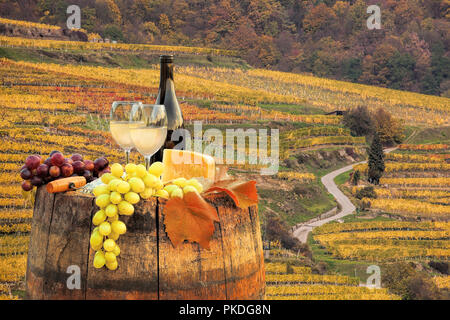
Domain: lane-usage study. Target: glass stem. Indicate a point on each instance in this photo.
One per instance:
(147, 162)
(127, 156)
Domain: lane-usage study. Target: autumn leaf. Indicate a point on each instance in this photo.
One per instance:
(244, 194)
(191, 219)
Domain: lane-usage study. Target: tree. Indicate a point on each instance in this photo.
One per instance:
(359, 121)
(108, 12)
(404, 280)
(318, 20)
(376, 160)
(389, 129)
(355, 177)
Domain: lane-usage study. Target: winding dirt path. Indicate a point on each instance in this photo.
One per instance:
(301, 233)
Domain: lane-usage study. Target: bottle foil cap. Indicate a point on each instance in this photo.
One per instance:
(166, 58)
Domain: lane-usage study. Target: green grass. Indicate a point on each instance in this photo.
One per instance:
(305, 202)
(432, 136)
(342, 178)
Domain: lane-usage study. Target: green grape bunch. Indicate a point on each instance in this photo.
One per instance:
(116, 196)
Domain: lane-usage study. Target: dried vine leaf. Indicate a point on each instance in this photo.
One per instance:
(191, 219)
(244, 194)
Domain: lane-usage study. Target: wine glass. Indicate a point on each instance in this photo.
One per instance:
(118, 125)
(148, 129)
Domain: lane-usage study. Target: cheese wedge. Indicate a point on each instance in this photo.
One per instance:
(187, 164)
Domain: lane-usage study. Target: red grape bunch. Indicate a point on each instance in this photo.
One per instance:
(36, 171)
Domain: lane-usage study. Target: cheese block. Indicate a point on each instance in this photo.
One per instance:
(187, 164)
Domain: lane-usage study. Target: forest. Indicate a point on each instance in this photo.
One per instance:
(325, 38)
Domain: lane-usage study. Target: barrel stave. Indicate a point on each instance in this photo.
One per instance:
(137, 275)
(189, 272)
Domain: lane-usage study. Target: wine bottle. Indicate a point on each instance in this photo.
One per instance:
(167, 97)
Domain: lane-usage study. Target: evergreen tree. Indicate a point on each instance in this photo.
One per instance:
(376, 160)
(355, 177)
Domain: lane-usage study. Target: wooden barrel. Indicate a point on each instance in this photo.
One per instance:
(149, 266)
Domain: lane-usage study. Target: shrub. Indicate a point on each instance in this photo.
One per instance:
(366, 192)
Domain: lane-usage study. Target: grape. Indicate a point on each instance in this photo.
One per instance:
(162, 194)
(125, 208)
(36, 181)
(117, 170)
(107, 177)
(96, 239)
(27, 186)
(102, 200)
(110, 257)
(66, 170)
(53, 152)
(115, 197)
(159, 185)
(170, 188)
(137, 185)
(150, 181)
(181, 182)
(111, 210)
(101, 173)
(77, 157)
(177, 193)
(89, 165)
(147, 194)
(119, 227)
(57, 159)
(99, 217)
(196, 184)
(156, 169)
(97, 247)
(25, 174)
(116, 250)
(88, 175)
(112, 265)
(99, 252)
(130, 168)
(101, 189)
(109, 244)
(114, 236)
(104, 228)
(100, 164)
(123, 187)
(54, 171)
(132, 197)
(32, 162)
(79, 167)
(99, 260)
(141, 171)
(113, 184)
(188, 189)
(42, 170)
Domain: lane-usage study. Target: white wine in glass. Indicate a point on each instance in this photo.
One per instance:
(119, 125)
(148, 129)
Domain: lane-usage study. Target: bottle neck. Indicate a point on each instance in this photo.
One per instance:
(166, 74)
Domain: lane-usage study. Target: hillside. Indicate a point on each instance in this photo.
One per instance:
(325, 38)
